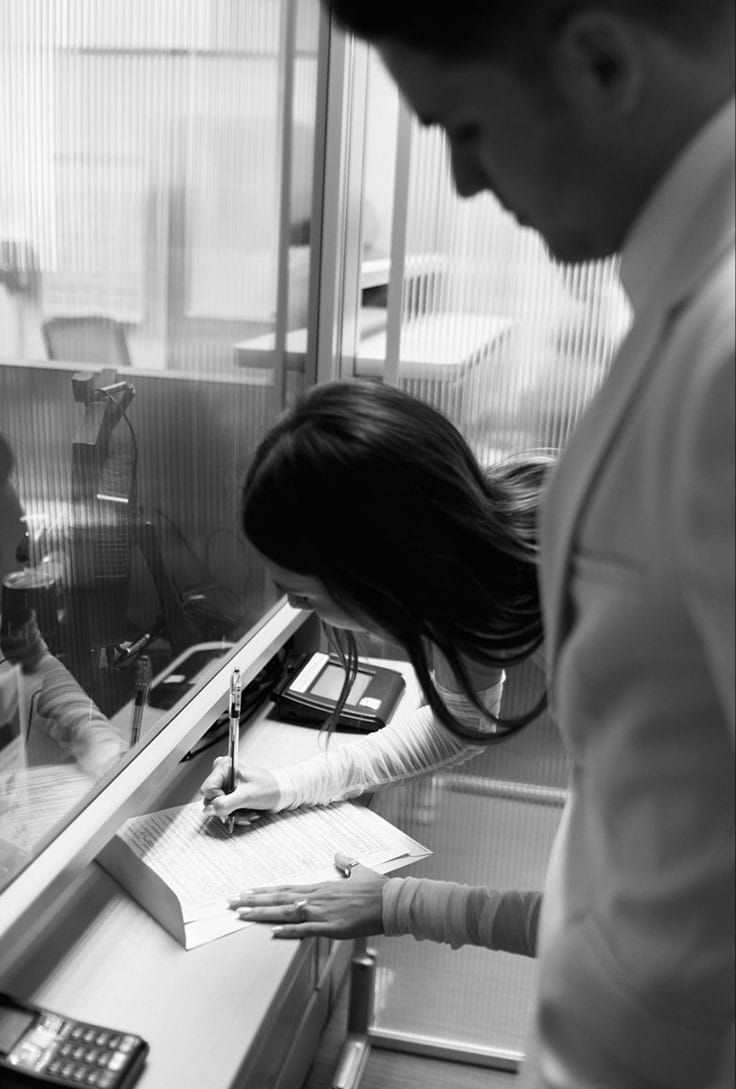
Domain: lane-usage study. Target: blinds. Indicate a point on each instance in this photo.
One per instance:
(143, 170)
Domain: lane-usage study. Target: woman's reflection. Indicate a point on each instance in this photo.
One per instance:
(54, 740)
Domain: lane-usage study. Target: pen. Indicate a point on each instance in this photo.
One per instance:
(143, 676)
(233, 736)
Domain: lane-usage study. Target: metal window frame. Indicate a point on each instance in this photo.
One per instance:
(335, 279)
(30, 902)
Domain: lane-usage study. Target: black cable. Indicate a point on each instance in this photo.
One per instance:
(203, 564)
(227, 532)
(204, 570)
(256, 693)
(35, 696)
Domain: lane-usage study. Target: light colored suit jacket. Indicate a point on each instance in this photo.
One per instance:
(636, 984)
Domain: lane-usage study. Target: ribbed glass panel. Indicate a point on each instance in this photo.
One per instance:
(155, 208)
(493, 332)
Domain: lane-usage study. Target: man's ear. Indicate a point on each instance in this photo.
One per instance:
(598, 63)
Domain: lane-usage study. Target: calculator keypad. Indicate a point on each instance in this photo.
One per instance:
(80, 1054)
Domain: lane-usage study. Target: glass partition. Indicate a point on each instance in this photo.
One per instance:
(463, 307)
(156, 194)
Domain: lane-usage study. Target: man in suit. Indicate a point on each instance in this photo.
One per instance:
(609, 127)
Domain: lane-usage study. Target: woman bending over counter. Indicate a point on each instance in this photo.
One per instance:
(368, 507)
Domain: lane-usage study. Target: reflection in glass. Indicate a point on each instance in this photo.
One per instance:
(155, 207)
(46, 717)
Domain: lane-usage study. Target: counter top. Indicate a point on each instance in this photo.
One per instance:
(207, 1013)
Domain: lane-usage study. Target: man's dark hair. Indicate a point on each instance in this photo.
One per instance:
(469, 28)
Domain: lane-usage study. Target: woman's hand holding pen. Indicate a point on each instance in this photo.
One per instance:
(336, 909)
(255, 788)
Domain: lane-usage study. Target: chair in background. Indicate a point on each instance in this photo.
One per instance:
(89, 339)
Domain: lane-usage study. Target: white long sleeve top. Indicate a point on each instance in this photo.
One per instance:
(62, 722)
(411, 745)
(70, 718)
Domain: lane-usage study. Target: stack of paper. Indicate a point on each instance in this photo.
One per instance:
(182, 866)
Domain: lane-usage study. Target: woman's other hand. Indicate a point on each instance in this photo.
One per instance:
(255, 789)
(351, 908)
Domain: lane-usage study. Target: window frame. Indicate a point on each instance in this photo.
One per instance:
(30, 901)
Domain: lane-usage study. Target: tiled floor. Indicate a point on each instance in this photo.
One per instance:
(393, 1070)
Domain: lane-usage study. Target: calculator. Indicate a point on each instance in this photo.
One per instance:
(41, 1048)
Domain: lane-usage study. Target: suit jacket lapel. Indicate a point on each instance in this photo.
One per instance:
(689, 259)
(579, 468)
(689, 247)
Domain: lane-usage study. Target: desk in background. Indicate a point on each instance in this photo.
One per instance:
(445, 357)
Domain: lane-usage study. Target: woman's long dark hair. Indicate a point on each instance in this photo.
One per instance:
(378, 496)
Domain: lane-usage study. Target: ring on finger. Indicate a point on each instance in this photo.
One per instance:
(301, 907)
(349, 867)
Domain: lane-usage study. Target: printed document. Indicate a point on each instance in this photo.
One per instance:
(183, 866)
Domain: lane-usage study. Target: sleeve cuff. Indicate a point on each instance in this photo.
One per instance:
(287, 798)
